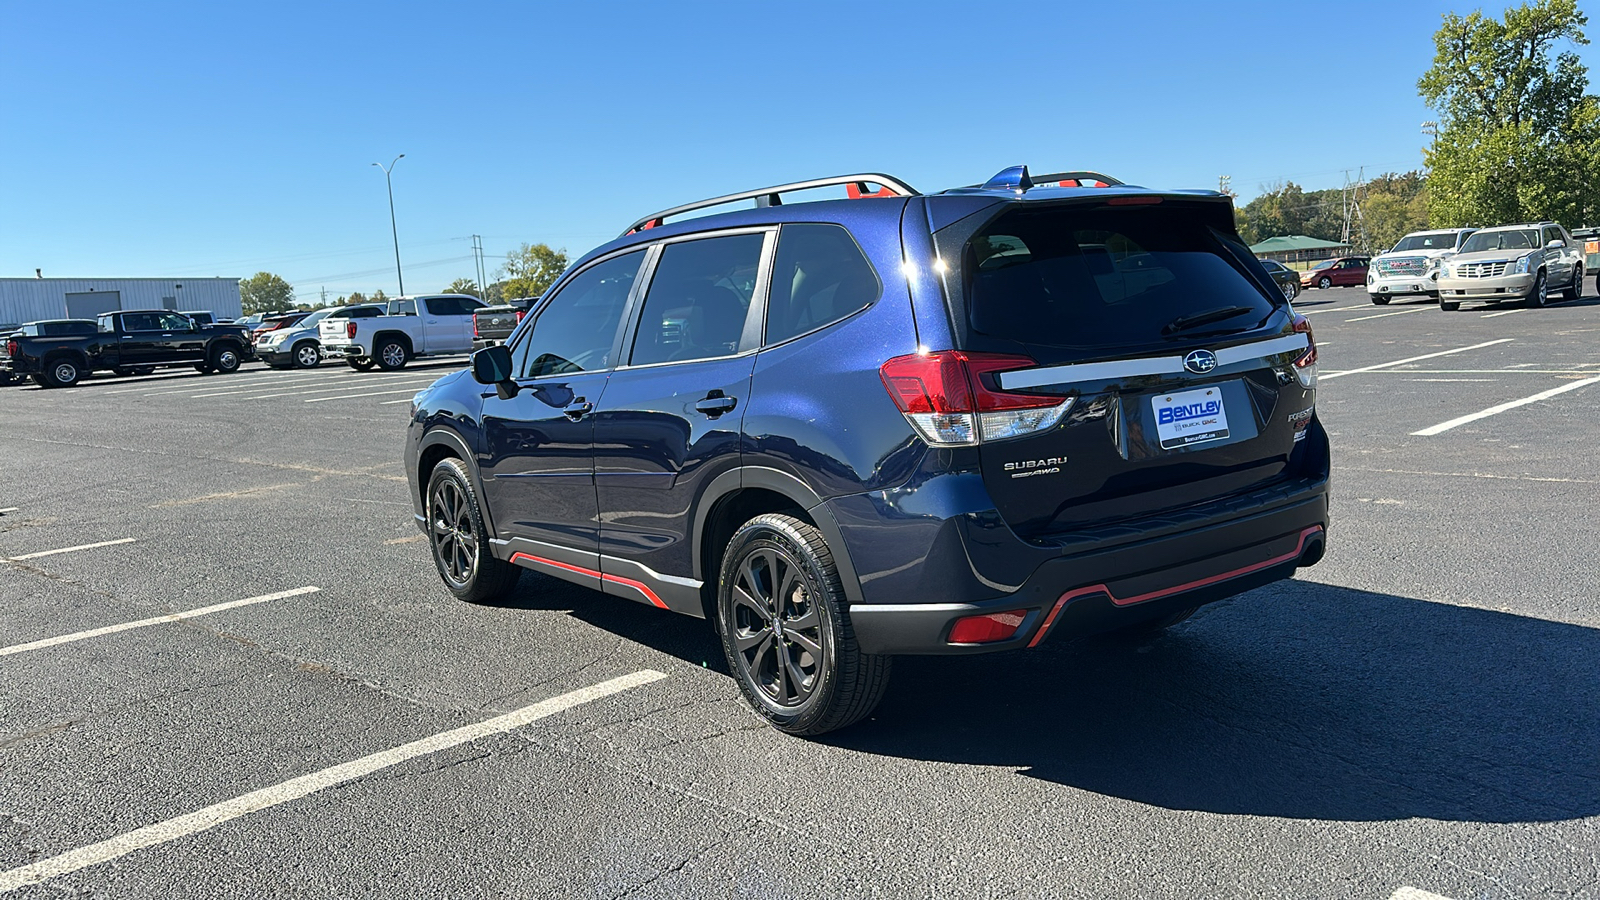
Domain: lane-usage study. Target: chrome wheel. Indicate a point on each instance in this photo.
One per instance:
(777, 629)
(64, 373)
(455, 541)
(306, 356)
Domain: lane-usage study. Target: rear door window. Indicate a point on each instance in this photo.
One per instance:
(1107, 277)
(698, 300)
(819, 277)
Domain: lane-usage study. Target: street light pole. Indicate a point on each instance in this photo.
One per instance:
(392, 227)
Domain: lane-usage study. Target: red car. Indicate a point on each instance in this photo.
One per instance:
(1344, 270)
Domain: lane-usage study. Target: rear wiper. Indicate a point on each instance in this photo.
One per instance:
(1184, 323)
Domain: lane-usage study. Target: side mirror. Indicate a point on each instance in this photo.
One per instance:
(1555, 245)
(492, 365)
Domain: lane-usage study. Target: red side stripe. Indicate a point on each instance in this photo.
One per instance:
(1076, 593)
(614, 579)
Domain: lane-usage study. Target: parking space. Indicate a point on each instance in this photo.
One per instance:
(227, 666)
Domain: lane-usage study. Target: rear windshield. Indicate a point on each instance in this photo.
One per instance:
(1105, 277)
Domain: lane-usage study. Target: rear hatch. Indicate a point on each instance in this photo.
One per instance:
(334, 329)
(496, 322)
(1176, 365)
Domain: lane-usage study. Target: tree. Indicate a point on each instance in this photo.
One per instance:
(464, 286)
(530, 269)
(1393, 206)
(355, 298)
(265, 292)
(378, 296)
(1519, 136)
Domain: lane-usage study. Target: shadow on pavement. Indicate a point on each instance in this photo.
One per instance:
(1298, 700)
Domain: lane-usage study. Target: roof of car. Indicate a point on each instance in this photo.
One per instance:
(1514, 227)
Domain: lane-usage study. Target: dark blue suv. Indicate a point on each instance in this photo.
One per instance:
(890, 423)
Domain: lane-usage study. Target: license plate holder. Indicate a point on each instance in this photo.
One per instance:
(1187, 418)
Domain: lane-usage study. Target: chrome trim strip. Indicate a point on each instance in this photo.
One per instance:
(1148, 365)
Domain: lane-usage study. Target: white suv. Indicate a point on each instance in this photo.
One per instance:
(1513, 262)
(1412, 267)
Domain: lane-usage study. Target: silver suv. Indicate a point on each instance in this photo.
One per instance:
(1513, 262)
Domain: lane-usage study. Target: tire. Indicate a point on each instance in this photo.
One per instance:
(459, 541)
(1290, 291)
(60, 372)
(391, 354)
(1325, 282)
(1575, 290)
(359, 363)
(306, 355)
(1538, 295)
(1380, 299)
(780, 603)
(224, 358)
(1449, 305)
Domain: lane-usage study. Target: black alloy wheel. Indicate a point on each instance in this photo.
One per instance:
(459, 540)
(782, 614)
(1539, 294)
(306, 355)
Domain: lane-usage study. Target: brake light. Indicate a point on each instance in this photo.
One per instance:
(1305, 368)
(953, 398)
(350, 329)
(520, 314)
(474, 326)
(12, 349)
(987, 629)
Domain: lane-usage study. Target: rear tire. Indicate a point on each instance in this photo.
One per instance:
(785, 628)
(359, 363)
(391, 354)
(60, 373)
(459, 540)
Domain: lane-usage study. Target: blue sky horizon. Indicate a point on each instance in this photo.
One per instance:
(209, 140)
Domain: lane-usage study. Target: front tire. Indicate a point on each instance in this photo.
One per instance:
(459, 540)
(782, 615)
(224, 359)
(1539, 294)
(306, 355)
(1379, 299)
(1576, 289)
(1325, 282)
(1449, 305)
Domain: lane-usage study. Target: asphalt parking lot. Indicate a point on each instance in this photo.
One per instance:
(1418, 715)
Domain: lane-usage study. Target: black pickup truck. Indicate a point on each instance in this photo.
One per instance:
(128, 342)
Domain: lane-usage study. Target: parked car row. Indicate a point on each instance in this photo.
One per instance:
(60, 353)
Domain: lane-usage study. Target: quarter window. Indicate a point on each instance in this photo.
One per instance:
(698, 300)
(819, 277)
(576, 329)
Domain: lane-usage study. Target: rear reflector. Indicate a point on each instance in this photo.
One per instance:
(987, 629)
(952, 398)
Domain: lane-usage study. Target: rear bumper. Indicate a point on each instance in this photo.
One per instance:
(342, 351)
(1075, 596)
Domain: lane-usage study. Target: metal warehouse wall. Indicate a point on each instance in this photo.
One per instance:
(31, 299)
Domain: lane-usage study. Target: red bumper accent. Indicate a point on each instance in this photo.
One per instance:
(1077, 593)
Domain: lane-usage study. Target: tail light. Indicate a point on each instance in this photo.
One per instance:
(1305, 368)
(12, 349)
(350, 329)
(952, 399)
(474, 326)
(520, 314)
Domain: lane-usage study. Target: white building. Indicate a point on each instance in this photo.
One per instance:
(32, 299)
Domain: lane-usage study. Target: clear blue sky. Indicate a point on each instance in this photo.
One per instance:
(148, 139)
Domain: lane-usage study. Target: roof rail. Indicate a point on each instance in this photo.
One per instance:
(1095, 179)
(1017, 178)
(772, 196)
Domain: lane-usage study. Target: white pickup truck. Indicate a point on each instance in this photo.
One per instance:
(415, 326)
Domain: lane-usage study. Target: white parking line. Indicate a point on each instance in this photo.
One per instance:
(9, 509)
(1401, 362)
(296, 788)
(1505, 313)
(158, 620)
(1388, 314)
(1411, 893)
(391, 402)
(71, 549)
(1340, 309)
(1496, 410)
(373, 394)
(419, 385)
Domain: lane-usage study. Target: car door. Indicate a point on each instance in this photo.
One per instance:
(670, 419)
(184, 340)
(536, 455)
(1558, 261)
(142, 340)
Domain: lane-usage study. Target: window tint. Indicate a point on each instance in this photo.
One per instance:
(1105, 277)
(366, 312)
(698, 299)
(175, 322)
(819, 277)
(451, 306)
(575, 330)
(141, 322)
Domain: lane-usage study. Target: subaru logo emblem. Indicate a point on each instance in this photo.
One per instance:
(1200, 361)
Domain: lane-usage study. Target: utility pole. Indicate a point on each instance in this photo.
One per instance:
(392, 227)
(324, 295)
(1223, 183)
(477, 259)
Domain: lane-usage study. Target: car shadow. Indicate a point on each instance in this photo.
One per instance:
(1298, 700)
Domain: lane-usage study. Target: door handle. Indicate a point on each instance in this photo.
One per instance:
(715, 404)
(577, 409)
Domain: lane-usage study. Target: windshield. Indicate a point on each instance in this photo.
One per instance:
(1526, 239)
(1324, 264)
(1425, 242)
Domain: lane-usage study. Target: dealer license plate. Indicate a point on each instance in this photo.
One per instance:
(1190, 417)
